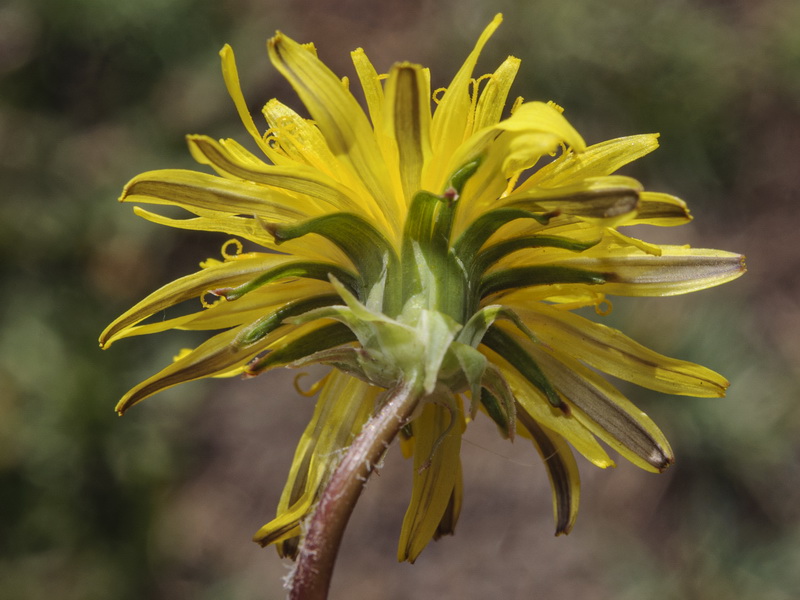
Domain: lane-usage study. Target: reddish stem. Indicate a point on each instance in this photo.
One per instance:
(320, 544)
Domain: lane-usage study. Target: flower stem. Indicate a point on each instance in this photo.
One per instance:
(320, 544)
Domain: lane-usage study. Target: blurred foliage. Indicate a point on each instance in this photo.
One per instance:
(96, 91)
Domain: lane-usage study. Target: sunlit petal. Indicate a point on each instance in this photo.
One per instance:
(338, 115)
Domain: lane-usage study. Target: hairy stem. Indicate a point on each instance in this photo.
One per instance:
(326, 525)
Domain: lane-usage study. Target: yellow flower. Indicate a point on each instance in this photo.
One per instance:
(442, 250)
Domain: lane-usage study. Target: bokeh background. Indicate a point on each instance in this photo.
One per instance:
(162, 504)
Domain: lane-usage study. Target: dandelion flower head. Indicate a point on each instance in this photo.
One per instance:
(441, 240)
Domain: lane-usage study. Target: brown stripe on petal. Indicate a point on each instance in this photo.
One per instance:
(660, 209)
(561, 470)
(217, 355)
(408, 113)
(193, 190)
(605, 411)
(666, 275)
(311, 183)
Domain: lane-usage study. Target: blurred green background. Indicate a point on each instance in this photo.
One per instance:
(162, 503)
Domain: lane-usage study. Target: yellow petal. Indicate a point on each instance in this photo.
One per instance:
(660, 209)
(562, 470)
(370, 84)
(299, 141)
(452, 121)
(435, 468)
(192, 190)
(628, 271)
(230, 273)
(247, 309)
(605, 201)
(605, 411)
(612, 352)
(532, 131)
(216, 355)
(492, 99)
(312, 187)
(344, 405)
(631, 242)
(580, 231)
(597, 160)
(338, 116)
(408, 117)
(537, 406)
(543, 118)
(254, 230)
(678, 270)
(231, 76)
(447, 526)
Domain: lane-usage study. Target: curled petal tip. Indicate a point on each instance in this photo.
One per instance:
(661, 459)
(551, 215)
(253, 369)
(274, 230)
(668, 462)
(222, 292)
(125, 191)
(563, 529)
(275, 39)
